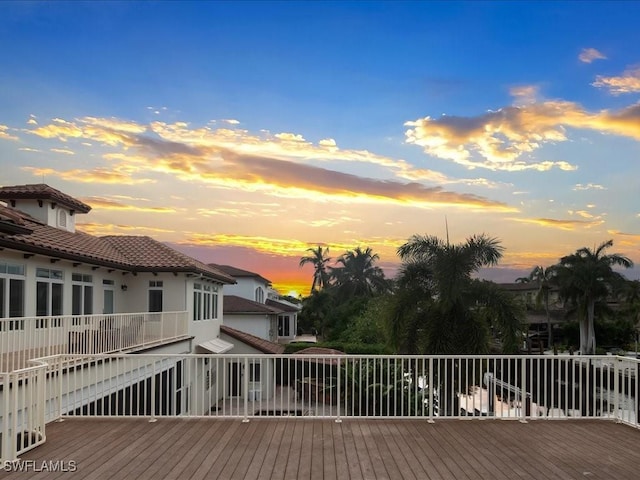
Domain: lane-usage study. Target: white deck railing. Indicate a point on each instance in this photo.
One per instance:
(23, 339)
(22, 424)
(517, 387)
(426, 388)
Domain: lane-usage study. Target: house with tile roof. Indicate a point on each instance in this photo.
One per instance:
(253, 306)
(63, 291)
(48, 268)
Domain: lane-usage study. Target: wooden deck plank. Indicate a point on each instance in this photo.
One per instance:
(418, 448)
(295, 453)
(355, 449)
(186, 459)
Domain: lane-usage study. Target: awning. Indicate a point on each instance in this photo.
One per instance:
(216, 346)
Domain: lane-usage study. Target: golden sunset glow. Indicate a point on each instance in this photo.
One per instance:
(254, 151)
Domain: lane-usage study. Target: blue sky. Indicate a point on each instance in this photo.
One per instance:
(246, 132)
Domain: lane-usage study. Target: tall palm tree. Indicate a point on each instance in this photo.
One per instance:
(584, 278)
(357, 274)
(454, 318)
(453, 312)
(319, 258)
(543, 277)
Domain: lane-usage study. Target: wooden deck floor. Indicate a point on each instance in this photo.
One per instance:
(295, 449)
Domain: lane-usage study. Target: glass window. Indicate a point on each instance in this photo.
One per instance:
(16, 298)
(11, 290)
(155, 296)
(81, 294)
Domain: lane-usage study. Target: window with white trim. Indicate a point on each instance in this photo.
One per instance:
(49, 287)
(155, 295)
(284, 326)
(205, 302)
(259, 295)
(12, 294)
(82, 294)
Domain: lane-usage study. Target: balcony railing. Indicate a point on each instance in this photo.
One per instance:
(424, 388)
(22, 339)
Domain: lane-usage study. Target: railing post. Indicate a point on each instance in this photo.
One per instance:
(338, 419)
(153, 393)
(245, 389)
(7, 439)
(430, 391)
(616, 387)
(523, 390)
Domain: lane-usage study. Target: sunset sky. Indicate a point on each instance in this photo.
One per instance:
(243, 133)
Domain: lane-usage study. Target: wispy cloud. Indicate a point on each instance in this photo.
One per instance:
(524, 93)
(628, 82)
(111, 204)
(559, 223)
(588, 186)
(118, 175)
(113, 229)
(4, 133)
(588, 55)
(499, 140)
(288, 247)
(64, 151)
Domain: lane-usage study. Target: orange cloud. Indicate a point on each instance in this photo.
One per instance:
(96, 175)
(628, 82)
(108, 204)
(561, 224)
(498, 139)
(4, 133)
(100, 229)
(201, 155)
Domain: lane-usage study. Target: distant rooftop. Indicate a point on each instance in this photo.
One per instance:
(264, 346)
(234, 304)
(239, 273)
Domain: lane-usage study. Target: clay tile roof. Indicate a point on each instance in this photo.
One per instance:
(52, 241)
(239, 273)
(125, 252)
(11, 221)
(322, 355)
(265, 346)
(41, 191)
(147, 254)
(238, 305)
(285, 307)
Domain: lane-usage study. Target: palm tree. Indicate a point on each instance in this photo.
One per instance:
(585, 277)
(543, 277)
(450, 312)
(454, 317)
(357, 274)
(319, 258)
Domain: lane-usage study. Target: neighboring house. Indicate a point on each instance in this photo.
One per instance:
(251, 317)
(252, 306)
(47, 268)
(536, 317)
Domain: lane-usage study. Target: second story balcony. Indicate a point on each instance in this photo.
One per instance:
(23, 339)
